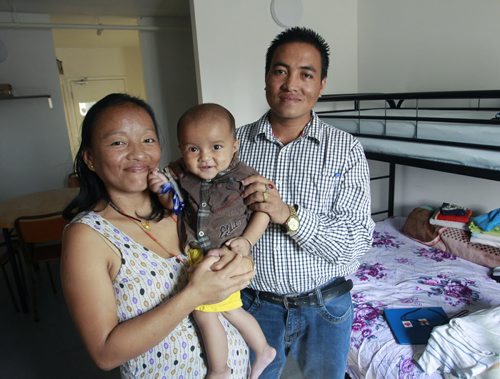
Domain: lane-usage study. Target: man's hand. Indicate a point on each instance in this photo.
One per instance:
(260, 194)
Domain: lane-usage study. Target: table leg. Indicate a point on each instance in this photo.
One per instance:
(21, 288)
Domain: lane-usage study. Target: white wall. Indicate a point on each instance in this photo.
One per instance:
(231, 39)
(431, 45)
(428, 45)
(377, 46)
(34, 148)
(169, 76)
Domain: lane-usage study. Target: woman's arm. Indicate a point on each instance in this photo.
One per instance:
(86, 266)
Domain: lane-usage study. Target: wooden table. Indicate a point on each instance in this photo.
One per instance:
(32, 204)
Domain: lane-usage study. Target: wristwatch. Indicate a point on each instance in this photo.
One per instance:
(292, 223)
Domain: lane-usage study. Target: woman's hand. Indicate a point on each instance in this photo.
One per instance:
(221, 273)
(226, 256)
(260, 194)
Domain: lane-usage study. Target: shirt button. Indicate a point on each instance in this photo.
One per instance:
(201, 234)
(203, 205)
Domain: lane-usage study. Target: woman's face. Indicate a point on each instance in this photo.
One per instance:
(124, 149)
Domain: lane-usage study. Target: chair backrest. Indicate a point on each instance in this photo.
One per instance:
(4, 257)
(40, 228)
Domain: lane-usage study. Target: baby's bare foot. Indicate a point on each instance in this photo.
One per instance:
(262, 360)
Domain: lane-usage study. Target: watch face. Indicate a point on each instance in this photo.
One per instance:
(293, 224)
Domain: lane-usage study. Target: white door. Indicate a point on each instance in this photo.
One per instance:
(84, 93)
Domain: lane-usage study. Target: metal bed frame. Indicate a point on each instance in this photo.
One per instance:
(396, 101)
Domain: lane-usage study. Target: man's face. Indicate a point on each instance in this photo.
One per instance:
(293, 83)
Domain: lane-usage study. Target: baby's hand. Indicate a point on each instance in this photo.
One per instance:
(240, 245)
(155, 180)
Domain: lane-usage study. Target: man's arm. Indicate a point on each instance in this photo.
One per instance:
(343, 232)
(339, 234)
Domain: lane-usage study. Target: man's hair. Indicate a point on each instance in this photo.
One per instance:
(301, 34)
(206, 110)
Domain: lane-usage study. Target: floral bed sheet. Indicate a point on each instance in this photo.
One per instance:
(400, 272)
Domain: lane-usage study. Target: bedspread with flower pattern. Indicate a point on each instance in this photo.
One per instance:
(399, 272)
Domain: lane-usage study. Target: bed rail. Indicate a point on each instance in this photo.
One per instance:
(393, 102)
(396, 99)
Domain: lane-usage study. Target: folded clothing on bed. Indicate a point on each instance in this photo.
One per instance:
(465, 347)
(490, 238)
(488, 221)
(450, 220)
(419, 226)
(448, 209)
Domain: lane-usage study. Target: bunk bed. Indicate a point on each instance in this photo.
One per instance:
(456, 132)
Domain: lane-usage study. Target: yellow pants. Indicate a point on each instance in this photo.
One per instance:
(233, 301)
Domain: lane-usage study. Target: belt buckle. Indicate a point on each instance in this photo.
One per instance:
(285, 302)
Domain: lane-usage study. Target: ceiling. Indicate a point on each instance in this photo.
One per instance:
(123, 8)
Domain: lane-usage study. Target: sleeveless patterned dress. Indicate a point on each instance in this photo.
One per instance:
(145, 280)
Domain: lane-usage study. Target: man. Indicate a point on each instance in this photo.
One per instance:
(315, 188)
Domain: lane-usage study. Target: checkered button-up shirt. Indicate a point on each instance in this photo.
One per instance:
(325, 173)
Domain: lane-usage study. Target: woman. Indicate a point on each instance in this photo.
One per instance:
(124, 277)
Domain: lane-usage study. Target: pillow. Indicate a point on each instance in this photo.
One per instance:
(458, 243)
(418, 228)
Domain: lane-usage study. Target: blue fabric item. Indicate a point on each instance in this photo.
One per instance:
(176, 198)
(488, 221)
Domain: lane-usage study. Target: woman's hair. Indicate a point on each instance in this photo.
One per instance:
(305, 35)
(92, 188)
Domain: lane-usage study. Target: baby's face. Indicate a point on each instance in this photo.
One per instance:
(207, 147)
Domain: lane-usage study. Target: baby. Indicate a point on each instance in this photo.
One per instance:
(216, 215)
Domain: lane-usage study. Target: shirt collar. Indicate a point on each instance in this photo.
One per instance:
(313, 129)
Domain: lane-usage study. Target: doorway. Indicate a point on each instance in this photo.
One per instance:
(94, 63)
(83, 93)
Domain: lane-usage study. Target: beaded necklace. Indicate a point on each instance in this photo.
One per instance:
(144, 224)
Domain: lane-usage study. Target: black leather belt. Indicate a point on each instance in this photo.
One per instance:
(331, 290)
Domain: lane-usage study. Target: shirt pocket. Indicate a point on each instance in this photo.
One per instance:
(325, 185)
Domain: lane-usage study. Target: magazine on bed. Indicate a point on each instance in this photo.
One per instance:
(413, 326)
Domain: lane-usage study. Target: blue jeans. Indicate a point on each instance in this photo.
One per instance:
(318, 337)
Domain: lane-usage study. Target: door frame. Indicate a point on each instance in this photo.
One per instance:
(74, 132)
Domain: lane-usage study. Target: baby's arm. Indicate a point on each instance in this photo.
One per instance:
(254, 230)
(156, 180)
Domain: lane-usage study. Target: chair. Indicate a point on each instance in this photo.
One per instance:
(4, 260)
(73, 180)
(40, 238)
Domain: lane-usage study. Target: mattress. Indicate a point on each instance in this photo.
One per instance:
(461, 132)
(399, 272)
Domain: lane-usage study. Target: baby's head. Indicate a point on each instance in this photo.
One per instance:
(207, 139)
